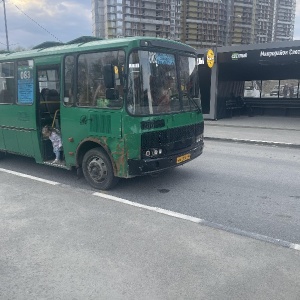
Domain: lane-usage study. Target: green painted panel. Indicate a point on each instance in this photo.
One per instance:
(18, 124)
(105, 123)
(2, 144)
(79, 124)
(10, 139)
(22, 116)
(25, 142)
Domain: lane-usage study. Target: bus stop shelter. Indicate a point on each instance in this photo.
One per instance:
(263, 77)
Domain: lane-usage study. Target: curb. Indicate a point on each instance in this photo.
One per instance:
(255, 127)
(256, 142)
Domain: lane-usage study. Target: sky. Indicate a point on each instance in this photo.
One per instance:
(31, 22)
(58, 21)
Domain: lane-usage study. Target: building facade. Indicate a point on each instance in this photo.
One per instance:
(285, 20)
(266, 19)
(199, 23)
(261, 21)
(158, 18)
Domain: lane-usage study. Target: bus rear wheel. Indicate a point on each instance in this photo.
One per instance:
(2, 154)
(98, 170)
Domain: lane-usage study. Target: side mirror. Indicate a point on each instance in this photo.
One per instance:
(112, 94)
(109, 76)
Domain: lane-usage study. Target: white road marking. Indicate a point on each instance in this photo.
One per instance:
(174, 214)
(29, 176)
(295, 246)
(237, 231)
(152, 208)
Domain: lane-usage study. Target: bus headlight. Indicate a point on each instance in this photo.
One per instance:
(199, 138)
(153, 152)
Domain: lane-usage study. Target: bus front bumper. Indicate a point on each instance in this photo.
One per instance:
(155, 165)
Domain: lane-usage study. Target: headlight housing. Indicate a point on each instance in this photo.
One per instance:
(199, 138)
(153, 152)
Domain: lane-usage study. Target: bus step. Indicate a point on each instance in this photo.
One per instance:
(61, 164)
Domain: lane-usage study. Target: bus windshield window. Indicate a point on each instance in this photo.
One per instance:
(154, 86)
(189, 84)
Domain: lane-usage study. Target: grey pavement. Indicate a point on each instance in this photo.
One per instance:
(280, 131)
(62, 243)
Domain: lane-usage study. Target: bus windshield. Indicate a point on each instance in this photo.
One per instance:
(160, 83)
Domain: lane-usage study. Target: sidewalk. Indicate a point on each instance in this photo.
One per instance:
(280, 131)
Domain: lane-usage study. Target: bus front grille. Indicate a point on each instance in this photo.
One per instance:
(171, 140)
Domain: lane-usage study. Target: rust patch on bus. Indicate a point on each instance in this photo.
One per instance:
(117, 157)
(120, 160)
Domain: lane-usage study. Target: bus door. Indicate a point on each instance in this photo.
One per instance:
(48, 104)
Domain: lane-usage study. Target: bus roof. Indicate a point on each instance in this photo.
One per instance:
(84, 44)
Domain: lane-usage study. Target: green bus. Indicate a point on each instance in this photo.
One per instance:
(124, 107)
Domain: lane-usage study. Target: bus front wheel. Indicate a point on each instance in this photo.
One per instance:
(98, 170)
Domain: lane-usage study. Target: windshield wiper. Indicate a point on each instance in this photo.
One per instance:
(193, 101)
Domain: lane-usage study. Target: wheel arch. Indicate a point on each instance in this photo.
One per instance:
(88, 144)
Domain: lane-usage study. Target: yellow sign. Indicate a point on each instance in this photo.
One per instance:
(210, 58)
(116, 70)
(183, 158)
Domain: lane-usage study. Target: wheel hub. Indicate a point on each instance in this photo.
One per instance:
(97, 169)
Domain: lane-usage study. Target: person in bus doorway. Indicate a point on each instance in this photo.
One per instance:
(54, 136)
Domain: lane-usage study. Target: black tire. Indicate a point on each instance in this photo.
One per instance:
(98, 170)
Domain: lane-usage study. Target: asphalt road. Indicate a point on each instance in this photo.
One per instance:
(246, 187)
(64, 242)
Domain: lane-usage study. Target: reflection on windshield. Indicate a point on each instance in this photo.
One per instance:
(161, 83)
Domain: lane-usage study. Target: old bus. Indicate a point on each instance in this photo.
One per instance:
(124, 107)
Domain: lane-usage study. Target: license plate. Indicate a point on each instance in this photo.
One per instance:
(183, 158)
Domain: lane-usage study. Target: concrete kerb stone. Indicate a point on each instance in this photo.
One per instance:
(249, 127)
(256, 142)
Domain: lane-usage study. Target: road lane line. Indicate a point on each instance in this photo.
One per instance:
(29, 176)
(210, 224)
(152, 208)
(233, 230)
(295, 246)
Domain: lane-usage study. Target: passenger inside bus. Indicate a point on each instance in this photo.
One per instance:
(164, 98)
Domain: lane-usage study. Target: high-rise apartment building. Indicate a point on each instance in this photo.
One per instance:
(265, 20)
(159, 18)
(285, 20)
(199, 23)
(204, 23)
(261, 21)
(242, 21)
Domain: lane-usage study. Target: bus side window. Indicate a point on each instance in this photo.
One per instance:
(99, 81)
(84, 90)
(7, 82)
(48, 81)
(5, 96)
(69, 80)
